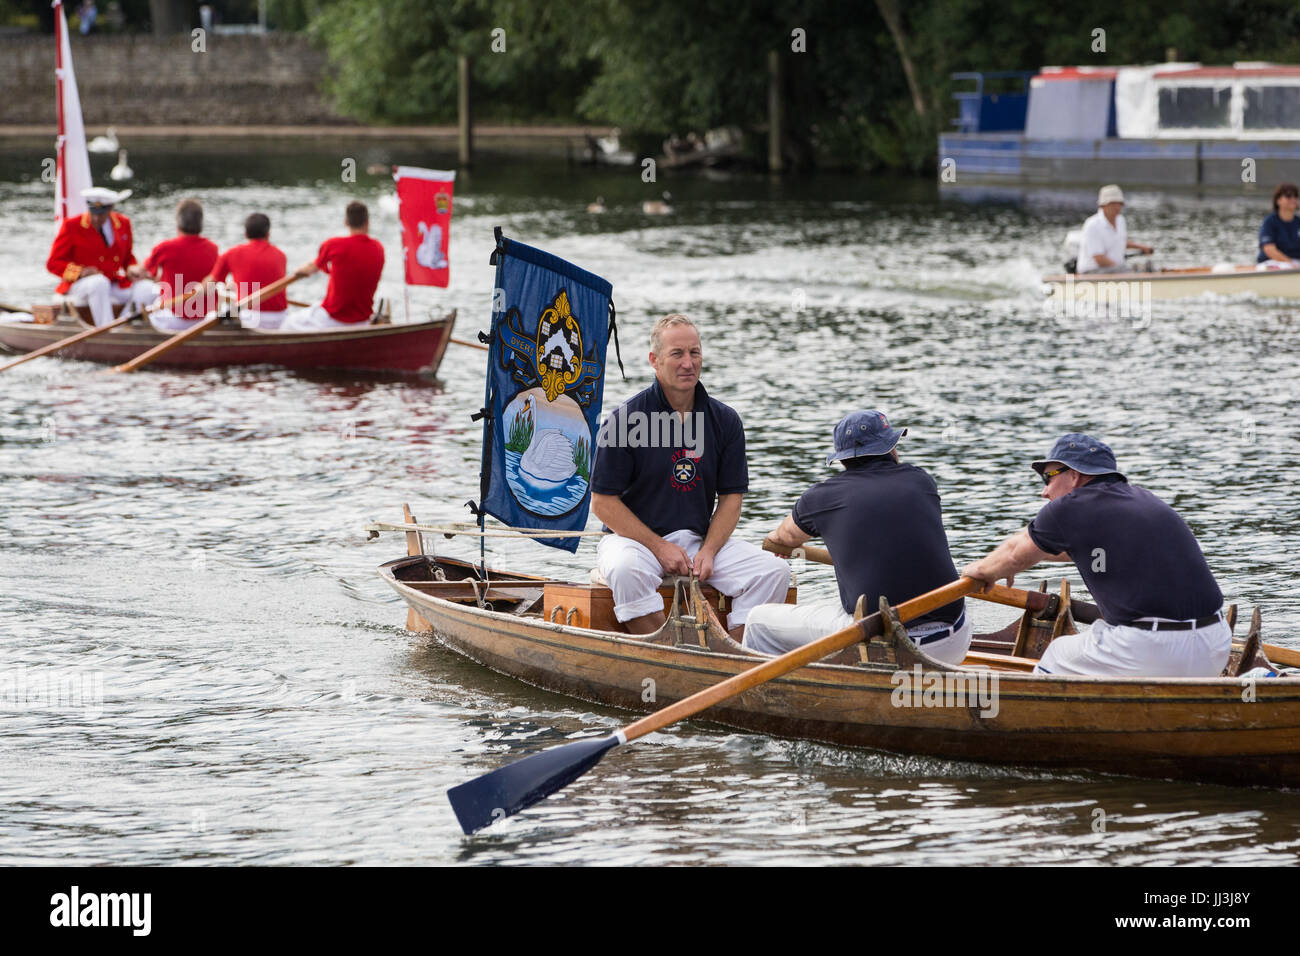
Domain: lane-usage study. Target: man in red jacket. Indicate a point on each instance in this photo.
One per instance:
(180, 265)
(354, 263)
(252, 266)
(92, 257)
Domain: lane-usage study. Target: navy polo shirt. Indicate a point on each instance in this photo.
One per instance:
(1135, 554)
(1284, 235)
(883, 526)
(651, 464)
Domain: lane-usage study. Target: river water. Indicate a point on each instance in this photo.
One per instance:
(214, 674)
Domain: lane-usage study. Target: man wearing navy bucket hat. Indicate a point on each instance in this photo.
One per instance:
(883, 525)
(1161, 607)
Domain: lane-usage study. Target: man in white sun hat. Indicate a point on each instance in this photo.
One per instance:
(883, 525)
(92, 257)
(1105, 235)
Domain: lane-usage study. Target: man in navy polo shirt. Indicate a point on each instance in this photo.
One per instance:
(883, 526)
(663, 459)
(1161, 607)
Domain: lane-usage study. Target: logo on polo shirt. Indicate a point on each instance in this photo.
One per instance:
(684, 476)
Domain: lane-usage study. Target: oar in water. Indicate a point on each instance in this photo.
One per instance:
(200, 327)
(89, 333)
(519, 785)
(1083, 612)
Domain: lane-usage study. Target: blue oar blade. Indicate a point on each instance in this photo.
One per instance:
(517, 786)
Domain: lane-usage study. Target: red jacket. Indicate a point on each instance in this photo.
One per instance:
(78, 245)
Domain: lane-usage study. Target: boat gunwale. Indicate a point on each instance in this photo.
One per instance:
(1217, 684)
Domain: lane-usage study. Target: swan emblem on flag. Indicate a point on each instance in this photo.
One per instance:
(558, 355)
(429, 252)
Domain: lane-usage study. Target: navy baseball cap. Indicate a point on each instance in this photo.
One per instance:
(864, 433)
(1081, 452)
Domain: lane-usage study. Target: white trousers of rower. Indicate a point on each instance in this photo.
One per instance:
(1108, 650)
(743, 572)
(314, 318)
(100, 295)
(779, 628)
(262, 319)
(165, 320)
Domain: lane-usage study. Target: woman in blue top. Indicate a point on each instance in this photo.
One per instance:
(1279, 236)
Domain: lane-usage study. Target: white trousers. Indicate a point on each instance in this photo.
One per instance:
(743, 572)
(165, 320)
(100, 295)
(313, 318)
(262, 319)
(779, 628)
(1107, 650)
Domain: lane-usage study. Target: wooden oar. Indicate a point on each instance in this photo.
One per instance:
(81, 336)
(1083, 612)
(519, 785)
(473, 345)
(200, 327)
(70, 340)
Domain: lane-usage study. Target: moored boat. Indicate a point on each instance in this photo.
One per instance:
(410, 348)
(883, 693)
(1173, 284)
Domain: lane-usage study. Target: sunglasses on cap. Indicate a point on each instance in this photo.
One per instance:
(1048, 475)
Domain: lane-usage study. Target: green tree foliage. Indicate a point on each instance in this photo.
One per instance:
(396, 60)
(660, 66)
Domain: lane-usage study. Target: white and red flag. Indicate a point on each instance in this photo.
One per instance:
(72, 165)
(424, 207)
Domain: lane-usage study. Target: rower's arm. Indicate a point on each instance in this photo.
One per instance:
(624, 523)
(1273, 252)
(1017, 553)
(310, 268)
(788, 534)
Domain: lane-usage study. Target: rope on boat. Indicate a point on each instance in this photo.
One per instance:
(473, 531)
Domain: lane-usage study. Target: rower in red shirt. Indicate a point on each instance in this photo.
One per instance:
(180, 265)
(92, 256)
(354, 263)
(251, 266)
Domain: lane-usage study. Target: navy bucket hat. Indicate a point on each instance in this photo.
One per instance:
(864, 433)
(1083, 453)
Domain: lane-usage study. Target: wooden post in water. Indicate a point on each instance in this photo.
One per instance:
(466, 121)
(775, 113)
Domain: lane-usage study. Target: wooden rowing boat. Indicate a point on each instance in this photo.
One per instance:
(1232, 730)
(1177, 283)
(413, 348)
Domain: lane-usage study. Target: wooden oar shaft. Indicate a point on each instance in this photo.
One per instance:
(993, 593)
(795, 659)
(70, 340)
(473, 345)
(199, 328)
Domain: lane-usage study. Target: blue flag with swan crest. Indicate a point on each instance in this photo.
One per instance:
(546, 373)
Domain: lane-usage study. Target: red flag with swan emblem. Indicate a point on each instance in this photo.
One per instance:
(424, 207)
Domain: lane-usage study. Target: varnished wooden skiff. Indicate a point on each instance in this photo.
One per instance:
(1229, 730)
(409, 348)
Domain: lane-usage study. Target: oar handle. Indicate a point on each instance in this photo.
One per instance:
(994, 593)
(858, 631)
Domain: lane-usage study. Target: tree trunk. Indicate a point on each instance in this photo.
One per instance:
(169, 16)
(889, 13)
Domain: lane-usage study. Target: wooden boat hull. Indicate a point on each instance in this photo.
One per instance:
(406, 349)
(1189, 729)
(1174, 284)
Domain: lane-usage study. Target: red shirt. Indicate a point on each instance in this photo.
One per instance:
(255, 264)
(78, 245)
(354, 263)
(183, 262)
